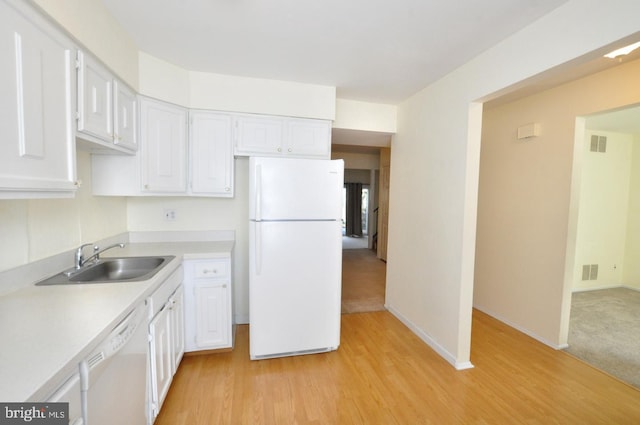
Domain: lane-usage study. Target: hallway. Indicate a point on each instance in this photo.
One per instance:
(363, 281)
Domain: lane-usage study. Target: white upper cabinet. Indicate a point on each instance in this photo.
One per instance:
(125, 116)
(106, 108)
(37, 152)
(308, 138)
(211, 154)
(164, 147)
(257, 135)
(95, 99)
(168, 163)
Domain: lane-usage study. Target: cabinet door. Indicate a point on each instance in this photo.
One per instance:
(258, 135)
(164, 147)
(177, 326)
(125, 116)
(37, 149)
(161, 357)
(211, 154)
(308, 138)
(95, 98)
(212, 315)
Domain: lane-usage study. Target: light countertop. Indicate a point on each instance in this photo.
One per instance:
(46, 330)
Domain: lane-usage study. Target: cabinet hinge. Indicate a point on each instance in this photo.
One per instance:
(77, 115)
(77, 64)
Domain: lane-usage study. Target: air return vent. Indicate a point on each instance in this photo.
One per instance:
(590, 272)
(598, 143)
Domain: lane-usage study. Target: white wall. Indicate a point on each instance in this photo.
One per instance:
(255, 95)
(434, 177)
(356, 115)
(90, 22)
(631, 268)
(162, 80)
(358, 161)
(527, 220)
(604, 204)
(199, 90)
(39, 228)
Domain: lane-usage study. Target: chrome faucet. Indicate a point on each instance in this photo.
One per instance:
(79, 259)
(97, 251)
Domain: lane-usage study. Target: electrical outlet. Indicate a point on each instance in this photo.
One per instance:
(170, 215)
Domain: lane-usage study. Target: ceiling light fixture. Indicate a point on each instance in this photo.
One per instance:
(623, 50)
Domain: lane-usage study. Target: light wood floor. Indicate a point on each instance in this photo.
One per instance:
(363, 281)
(383, 374)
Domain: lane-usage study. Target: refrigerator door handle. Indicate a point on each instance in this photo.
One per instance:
(258, 249)
(258, 193)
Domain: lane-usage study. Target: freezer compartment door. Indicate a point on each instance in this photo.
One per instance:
(295, 189)
(295, 288)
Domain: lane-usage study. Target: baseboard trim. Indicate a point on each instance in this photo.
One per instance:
(521, 329)
(430, 341)
(600, 288)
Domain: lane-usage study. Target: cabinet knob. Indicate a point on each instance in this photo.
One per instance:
(279, 149)
(227, 189)
(290, 150)
(146, 186)
(224, 286)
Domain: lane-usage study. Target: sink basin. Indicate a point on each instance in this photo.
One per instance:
(110, 270)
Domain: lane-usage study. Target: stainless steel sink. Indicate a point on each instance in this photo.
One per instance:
(110, 270)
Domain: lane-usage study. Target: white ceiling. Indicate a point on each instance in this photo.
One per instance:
(371, 50)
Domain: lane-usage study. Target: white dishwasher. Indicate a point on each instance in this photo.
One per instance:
(114, 377)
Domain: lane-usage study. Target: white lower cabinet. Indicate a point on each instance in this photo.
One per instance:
(212, 319)
(161, 357)
(166, 346)
(208, 304)
(177, 326)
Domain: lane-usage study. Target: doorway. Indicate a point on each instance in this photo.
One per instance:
(605, 281)
(522, 271)
(363, 273)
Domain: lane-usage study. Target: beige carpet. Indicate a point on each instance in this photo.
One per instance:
(363, 281)
(604, 331)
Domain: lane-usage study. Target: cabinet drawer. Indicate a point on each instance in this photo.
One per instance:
(211, 269)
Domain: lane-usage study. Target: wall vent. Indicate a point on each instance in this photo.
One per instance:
(598, 143)
(590, 272)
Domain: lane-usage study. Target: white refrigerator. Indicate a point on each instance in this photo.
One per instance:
(295, 256)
